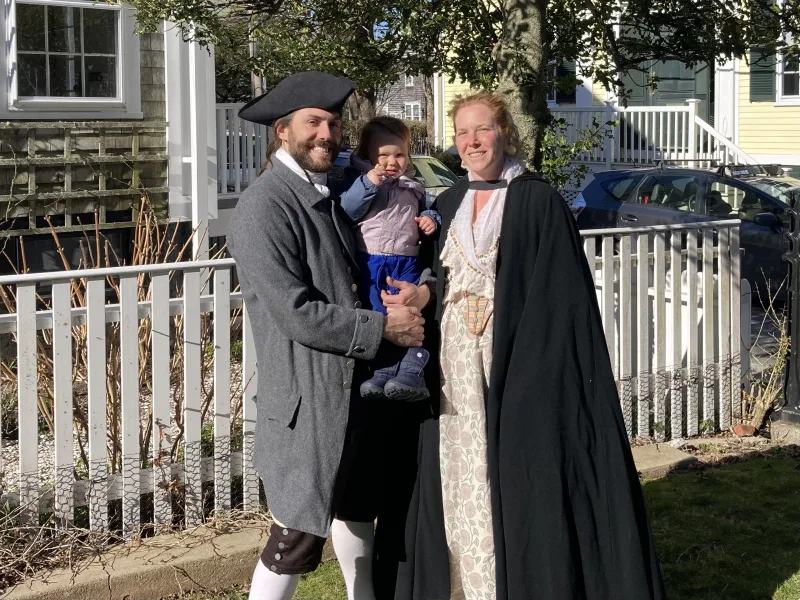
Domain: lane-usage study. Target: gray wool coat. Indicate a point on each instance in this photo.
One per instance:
(294, 251)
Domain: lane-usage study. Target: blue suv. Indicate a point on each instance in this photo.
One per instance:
(758, 195)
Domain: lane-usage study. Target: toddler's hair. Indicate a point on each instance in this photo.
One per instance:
(377, 126)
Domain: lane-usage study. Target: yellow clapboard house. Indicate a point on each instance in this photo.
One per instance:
(753, 102)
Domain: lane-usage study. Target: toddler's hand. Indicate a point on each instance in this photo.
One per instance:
(377, 175)
(426, 224)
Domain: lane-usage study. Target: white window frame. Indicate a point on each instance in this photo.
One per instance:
(409, 81)
(127, 103)
(782, 100)
(552, 92)
(412, 105)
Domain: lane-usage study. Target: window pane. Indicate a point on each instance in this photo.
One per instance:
(791, 84)
(32, 78)
(65, 76)
(619, 189)
(670, 191)
(101, 77)
(30, 27)
(744, 203)
(100, 31)
(64, 29)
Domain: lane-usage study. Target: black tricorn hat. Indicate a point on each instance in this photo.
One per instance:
(309, 89)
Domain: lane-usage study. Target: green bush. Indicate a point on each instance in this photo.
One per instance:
(237, 351)
(9, 415)
(451, 161)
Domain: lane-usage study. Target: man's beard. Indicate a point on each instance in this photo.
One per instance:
(308, 159)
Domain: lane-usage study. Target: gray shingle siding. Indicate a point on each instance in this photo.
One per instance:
(397, 95)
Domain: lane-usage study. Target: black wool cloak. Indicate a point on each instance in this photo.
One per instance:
(567, 507)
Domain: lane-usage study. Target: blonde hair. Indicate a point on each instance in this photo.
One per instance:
(378, 126)
(502, 116)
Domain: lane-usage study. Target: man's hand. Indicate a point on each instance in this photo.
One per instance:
(409, 294)
(403, 326)
(426, 224)
(377, 175)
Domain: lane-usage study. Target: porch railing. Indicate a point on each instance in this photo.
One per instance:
(635, 135)
(648, 134)
(136, 367)
(241, 147)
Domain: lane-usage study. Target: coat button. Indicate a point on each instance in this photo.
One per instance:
(277, 556)
(357, 304)
(347, 385)
(273, 568)
(359, 349)
(354, 287)
(364, 318)
(285, 532)
(281, 546)
(351, 363)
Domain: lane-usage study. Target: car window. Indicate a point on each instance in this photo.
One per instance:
(619, 189)
(786, 190)
(432, 173)
(726, 200)
(676, 192)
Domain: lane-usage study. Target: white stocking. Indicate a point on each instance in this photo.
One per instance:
(353, 544)
(267, 585)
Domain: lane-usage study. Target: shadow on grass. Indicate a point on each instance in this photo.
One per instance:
(730, 531)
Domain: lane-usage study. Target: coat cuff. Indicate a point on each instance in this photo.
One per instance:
(367, 334)
(434, 216)
(369, 187)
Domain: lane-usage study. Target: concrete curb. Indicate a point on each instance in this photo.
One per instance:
(202, 559)
(656, 460)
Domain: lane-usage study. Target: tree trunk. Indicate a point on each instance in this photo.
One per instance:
(427, 85)
(362, 105)
(522, 71)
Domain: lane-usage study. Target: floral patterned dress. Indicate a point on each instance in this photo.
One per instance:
(470, 256)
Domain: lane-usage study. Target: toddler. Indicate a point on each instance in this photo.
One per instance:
(389, 206)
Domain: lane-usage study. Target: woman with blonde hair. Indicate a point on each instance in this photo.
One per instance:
(526, 488)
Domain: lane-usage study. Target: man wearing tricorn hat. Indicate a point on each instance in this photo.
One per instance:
(295, 257)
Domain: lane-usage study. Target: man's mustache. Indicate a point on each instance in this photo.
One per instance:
(321, 144)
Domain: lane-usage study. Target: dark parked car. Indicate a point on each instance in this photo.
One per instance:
(757, 195)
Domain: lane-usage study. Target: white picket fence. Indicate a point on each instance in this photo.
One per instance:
(648, 134)
(671, 299)
(677, 364)
(102, 487)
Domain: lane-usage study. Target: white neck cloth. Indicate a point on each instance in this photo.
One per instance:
(318, 180)
(478, 240)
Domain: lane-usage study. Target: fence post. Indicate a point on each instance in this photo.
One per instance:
(692, 131)
(608, 142)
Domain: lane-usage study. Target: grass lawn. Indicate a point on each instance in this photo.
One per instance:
(325, 583)
(730, 532)
(723, 533)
